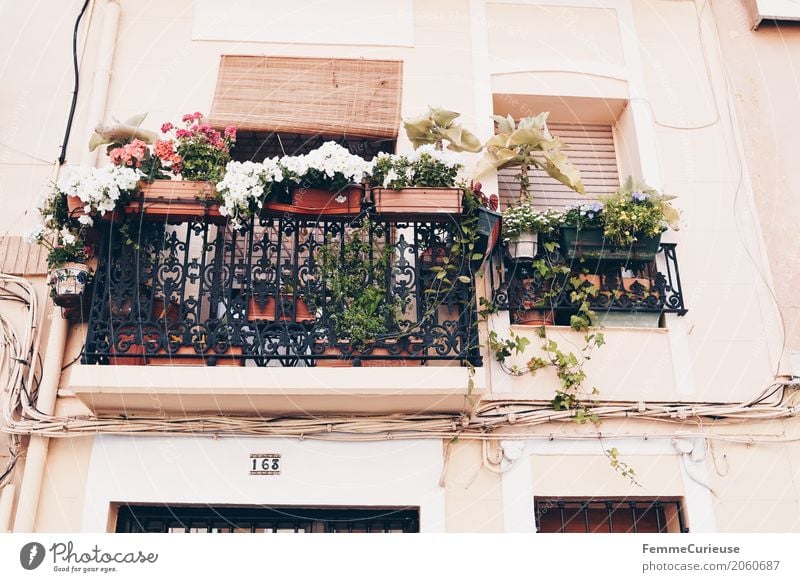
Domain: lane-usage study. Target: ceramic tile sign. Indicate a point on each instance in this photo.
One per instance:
(265, 464)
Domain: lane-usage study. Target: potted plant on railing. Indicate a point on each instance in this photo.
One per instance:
(244, 190)
(325, 181)
(522, 225)
(67, 251)
(353, 298)
(626, 225)
(424, 181)
(95, 192)
(198, 154)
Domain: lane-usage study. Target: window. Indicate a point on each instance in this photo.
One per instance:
(259, 519)
(590, 148)
(628, 515)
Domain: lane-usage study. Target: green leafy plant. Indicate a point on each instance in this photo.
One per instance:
(526, 145)
(439, 126)
(424, 167)
(197, 151)
(636, 211)
(354, 287)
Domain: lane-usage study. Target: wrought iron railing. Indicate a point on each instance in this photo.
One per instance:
(617, 285)
(202, 293)
(609, 516)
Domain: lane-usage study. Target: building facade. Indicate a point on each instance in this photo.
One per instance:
(694, 388)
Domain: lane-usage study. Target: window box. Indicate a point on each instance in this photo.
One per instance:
(314, 201)
(589, 243)
(418, 201)
(177, 201)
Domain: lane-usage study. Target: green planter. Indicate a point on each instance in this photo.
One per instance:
(488, 230)
(589, 243)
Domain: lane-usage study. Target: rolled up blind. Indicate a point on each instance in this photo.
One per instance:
(341, 97)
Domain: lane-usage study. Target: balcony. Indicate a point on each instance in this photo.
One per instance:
(622, 292)
(197, 293)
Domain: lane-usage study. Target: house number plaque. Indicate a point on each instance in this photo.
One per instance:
(265, 464)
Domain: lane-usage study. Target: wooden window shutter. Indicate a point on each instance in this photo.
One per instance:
(590, 148)
(342, 97)
(20, 258)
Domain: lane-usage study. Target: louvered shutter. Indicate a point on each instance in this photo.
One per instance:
(590, 148)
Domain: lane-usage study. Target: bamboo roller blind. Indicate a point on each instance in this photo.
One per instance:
(590, 148)
(348, 97)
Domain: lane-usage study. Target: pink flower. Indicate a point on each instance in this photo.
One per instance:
(205, 128)
(198, 116)
(183, 133)
(166, 127)
(164, 149)
(136, 149)
(116, 156)
(188, 118)
(230, 133)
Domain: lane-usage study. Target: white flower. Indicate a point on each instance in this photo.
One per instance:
(391, 176)
(34, 234)
(67, 237)
(86, 219)
(330, 159)
(244, 185)
(99, 189)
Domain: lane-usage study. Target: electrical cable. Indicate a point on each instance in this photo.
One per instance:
(76, 85)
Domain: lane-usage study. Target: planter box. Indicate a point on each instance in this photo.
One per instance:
(313, 201)
(590, 243)
(418, 201)
(177, 201)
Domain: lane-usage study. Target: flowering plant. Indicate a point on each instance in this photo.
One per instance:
(99, 189)
(635, 211)
(245, 187)
(525, 219)
(588, 215)
(424, 167)
(60, 235)
(196, 151)
(329, 167)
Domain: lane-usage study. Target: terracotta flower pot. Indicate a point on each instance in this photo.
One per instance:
(177, 201)
(181, 357)
(418, 201)
(133, 356)
(314, 201)
(537, 317)
(337, 362)
(267, 313)
(638, 285)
